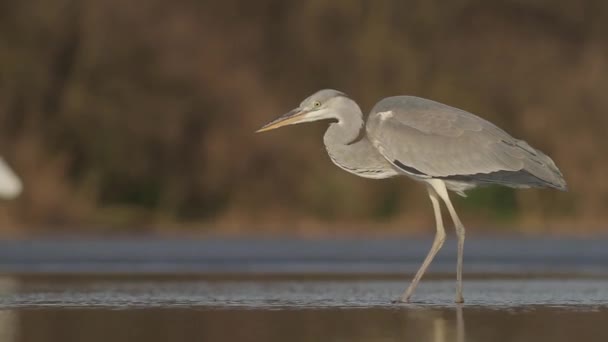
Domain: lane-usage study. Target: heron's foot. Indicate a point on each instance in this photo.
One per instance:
(403, 299)
(400, 301)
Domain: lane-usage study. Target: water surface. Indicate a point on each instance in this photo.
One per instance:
(292, 290)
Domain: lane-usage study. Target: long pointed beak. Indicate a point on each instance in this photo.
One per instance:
(289, 118)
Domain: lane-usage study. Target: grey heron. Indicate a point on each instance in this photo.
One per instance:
(443, 147)
(10, 184)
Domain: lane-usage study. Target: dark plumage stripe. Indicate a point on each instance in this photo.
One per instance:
(359, 137)
(409, 169)
(521, 148)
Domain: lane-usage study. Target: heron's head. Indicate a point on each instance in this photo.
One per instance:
(319, 106)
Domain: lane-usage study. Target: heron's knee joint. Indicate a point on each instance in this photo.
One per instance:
(460, 229)
(440, 237)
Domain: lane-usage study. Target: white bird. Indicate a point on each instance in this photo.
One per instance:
(10, 184)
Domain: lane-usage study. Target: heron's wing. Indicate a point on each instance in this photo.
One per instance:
(10, 185)
(431, 139)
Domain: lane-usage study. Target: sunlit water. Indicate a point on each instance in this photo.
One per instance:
(249, 290)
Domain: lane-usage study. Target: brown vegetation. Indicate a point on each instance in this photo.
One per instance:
(141, 113)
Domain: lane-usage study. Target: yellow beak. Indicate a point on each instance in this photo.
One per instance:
(289, 118)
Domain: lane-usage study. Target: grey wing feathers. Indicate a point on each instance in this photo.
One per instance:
(438, 141)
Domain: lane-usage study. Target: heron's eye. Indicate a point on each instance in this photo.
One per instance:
(316, 104)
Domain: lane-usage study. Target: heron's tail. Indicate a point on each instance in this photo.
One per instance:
(543, 167)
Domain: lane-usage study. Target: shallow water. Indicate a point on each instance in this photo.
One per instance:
(165, 308)
(61, 291)
(297, 294)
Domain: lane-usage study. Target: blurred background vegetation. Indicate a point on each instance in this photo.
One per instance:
(139, 115)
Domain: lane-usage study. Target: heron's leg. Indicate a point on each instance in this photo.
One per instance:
(437, 243)
(441, 190)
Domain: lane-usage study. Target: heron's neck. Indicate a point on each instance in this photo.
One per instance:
(349, 148)
(349, 127)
